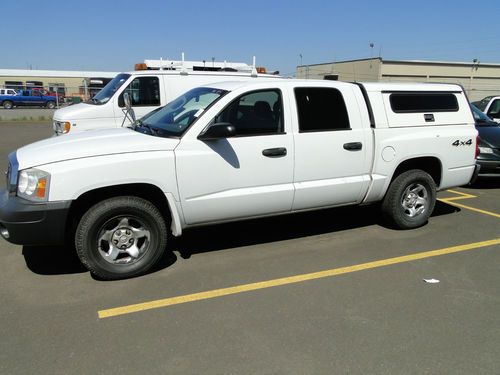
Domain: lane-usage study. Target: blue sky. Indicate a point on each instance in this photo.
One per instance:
(114, 35)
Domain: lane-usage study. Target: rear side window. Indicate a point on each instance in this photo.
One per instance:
(423, 102)
(321, 109)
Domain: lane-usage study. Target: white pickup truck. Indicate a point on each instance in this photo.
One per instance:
(239, 150)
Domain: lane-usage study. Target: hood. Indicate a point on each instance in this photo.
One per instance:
(89, 144)
(490, 136)
(80, 111)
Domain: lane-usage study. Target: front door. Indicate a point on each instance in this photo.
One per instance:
(248, 175)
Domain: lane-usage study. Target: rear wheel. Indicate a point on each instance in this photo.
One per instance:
(51, 105)
(7, 104)
(121, 237)
(410, 199)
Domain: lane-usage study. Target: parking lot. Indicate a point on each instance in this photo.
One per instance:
(330, 292)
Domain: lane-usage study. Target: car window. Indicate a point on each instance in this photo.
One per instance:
(255, 113)
(321, 109)
(143, 91)
(494, 110)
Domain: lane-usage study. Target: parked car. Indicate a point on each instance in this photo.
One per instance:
(490, 106)
(27, 98)
(238, 150)
(8, 92)
(489, 145)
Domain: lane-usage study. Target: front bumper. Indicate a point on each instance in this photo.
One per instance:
(26, 223)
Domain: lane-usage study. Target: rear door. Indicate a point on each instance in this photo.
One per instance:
(333, 147)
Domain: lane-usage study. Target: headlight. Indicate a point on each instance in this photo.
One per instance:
(61, 127)
(485, 150)
(33, 184)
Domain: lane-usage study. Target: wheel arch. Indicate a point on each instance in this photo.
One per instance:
(429, 164)
(149, 192)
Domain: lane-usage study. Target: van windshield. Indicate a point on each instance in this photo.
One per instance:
(109, 90)
(175, 118)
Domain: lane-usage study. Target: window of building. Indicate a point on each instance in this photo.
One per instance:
(423, 102)
(256, 113)
(321, 109)
(16, 85)
(143, 91)
(57, 87)
(34, 84)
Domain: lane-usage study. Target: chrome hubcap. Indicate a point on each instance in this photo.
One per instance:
(415, 200)
(123, 240)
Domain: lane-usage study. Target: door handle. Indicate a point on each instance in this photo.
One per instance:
(353, 146)
(274, 152)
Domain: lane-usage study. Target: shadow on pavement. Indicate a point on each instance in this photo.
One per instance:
(485, 183)
(50, 260)
(61, 260)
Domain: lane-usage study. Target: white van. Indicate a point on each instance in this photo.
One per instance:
(147, 89)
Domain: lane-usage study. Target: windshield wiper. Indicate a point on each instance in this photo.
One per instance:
(151, 129)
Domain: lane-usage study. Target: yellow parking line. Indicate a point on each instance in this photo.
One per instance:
(465, 196)
(472, 208)
(288, 280)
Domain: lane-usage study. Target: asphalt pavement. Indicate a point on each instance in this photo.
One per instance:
(330, 292)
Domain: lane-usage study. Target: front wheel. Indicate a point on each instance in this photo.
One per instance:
(7, 104)
(410, 199)
(51, 105)
(121, 237)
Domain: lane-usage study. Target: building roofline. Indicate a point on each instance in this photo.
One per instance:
(54, 73)
(421, 62)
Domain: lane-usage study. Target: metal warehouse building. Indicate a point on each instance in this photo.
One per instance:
(478, 79)
(68, 83)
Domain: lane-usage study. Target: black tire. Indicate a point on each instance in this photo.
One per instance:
(51, 105)
(7, 104)
(410, 200)
(117, 221)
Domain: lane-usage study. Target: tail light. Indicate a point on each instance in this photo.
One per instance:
(478, 140)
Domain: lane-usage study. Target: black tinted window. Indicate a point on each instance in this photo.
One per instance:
(321, 109)
(423, 102)
(256, 113)
(143, 91)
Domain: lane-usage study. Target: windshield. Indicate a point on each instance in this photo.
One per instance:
(176, 117)
(109, 90)
(480, 116)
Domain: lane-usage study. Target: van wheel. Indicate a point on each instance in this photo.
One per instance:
(51, 105)
(121, 237)
(7, 104)
(410, 200)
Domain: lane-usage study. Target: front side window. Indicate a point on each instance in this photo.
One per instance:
(321, 109)
(143, 92)
(255, 113)
(175, 118)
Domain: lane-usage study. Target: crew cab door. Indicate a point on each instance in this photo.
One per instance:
(333, 147)
(247, 175)
(144, 93)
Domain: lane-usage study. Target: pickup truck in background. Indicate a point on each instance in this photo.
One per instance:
(27, 98)
(239, 150)
(490, 106)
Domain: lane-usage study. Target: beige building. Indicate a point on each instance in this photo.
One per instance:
(478, 79)
(67, 83)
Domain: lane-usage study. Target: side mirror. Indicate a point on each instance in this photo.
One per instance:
(217, 131)
(126, 99)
